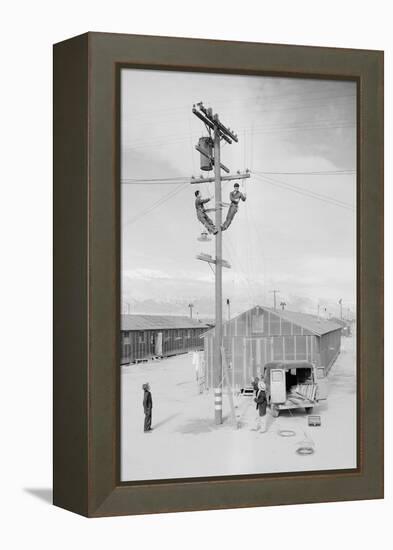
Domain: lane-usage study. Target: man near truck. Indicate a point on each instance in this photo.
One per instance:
(261, 403)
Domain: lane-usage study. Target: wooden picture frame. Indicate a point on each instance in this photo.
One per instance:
(87, 263)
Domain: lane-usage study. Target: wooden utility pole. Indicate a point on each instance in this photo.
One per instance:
(275, 292)
(341, 308)
(217, 132)
(126, 308)
(218, 372)
(229, 309)
(190, 306)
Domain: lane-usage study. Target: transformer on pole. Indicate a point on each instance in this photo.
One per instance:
(205, 147)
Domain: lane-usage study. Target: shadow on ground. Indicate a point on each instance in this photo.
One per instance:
(43, 494)
(165, 420)
(196, 426)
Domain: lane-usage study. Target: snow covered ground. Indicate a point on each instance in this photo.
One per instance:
(185, 441)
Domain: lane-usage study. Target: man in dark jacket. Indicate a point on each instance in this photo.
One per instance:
(254, 384)
(147, 406)
(261, 402)
(235, 196)
(201, 213)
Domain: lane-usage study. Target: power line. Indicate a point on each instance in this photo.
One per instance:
(136, 181)
(236, 261)
(294, 106)
(324, 198)
(172, 139)
(307, 191)
(274, 98)
(261, 175)
(321, 173)
(310, 194)
(156, 204)
(185, 179)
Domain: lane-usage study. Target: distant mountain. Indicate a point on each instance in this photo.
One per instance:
(202, 308)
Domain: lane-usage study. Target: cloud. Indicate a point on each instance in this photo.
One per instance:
(144, 274)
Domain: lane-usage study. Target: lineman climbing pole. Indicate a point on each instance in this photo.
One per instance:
(220, 132)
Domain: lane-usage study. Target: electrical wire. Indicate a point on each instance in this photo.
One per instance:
(235, 260)
(311, 194)
(156, 204)
(322, 173)
(174, 139)
(272, 99)
(136, 181)
(186, 179)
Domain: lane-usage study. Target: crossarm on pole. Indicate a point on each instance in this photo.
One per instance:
(223, 178)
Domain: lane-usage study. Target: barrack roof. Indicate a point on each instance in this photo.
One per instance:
(313, 323)
(158, 322)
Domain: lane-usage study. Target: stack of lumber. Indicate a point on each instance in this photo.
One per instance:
(306, 390)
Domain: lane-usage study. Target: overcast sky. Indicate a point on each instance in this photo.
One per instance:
(295, 233)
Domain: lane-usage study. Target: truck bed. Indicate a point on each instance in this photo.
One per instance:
(292, 404)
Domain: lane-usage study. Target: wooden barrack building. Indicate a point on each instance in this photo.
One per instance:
(146, 336)
(261, 335)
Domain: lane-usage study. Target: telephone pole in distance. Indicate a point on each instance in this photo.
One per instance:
(274, 292)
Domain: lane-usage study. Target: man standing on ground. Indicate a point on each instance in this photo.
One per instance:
(254, 384)
(147, 407)
(235, 196)
(261, 402)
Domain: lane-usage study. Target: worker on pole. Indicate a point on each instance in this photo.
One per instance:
(235, 197)
(202, 214)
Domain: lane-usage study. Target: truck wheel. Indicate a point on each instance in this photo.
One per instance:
(275, 411)
(308, 410)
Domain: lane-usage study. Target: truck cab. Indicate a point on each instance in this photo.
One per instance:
(294, 385)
